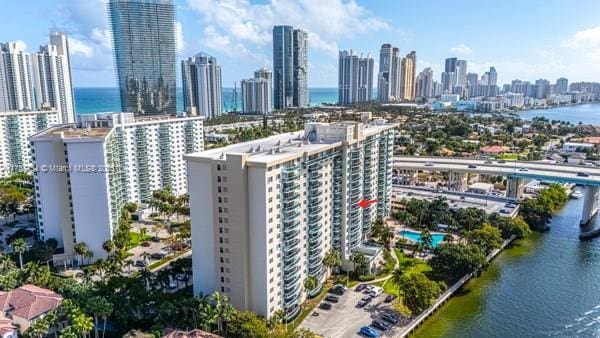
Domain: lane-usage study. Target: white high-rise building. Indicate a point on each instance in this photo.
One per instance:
(265, 212)
(425, 81)
(16, 90)
(202, 89)
(461, 73)
(87, 171)
(52, 77)
(256, 96)
(355, 74)
(389, 76)
(15, 129)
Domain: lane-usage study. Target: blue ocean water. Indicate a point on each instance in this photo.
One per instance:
(96, 100)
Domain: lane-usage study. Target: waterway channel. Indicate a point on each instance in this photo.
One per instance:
(547, 285)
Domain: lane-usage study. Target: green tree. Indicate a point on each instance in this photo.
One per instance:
(19, 247)
(246, 324)
(487, 237)
(452, 261)
(418, 292)
(361, 263)
(310, 283)
(332, 260)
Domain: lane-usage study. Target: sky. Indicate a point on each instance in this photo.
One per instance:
(525, 39)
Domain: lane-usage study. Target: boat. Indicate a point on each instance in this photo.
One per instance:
(576, 194)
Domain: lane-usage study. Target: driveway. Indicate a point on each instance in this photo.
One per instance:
(345, 319)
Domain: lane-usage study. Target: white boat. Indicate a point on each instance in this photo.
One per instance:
(576, 194)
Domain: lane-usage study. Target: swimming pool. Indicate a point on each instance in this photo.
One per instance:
(416, 237)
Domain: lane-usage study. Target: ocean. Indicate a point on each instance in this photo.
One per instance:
(97, 100)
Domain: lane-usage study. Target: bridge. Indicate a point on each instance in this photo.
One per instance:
(515, 171)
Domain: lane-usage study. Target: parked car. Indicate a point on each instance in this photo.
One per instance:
(325, 306)
(369, 332)
(390, 298)
(380, 324)
(332, 299)
(157, 255)
(488, 162)
(141, 263)
(390, 318)
(501, 161)
(360, 287)
(504, 211)
(337, 290)
(364, 301)
(376, 292)
(172, 284)
(155, 239)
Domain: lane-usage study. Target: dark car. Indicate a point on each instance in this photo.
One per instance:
(332, 299)
(145, 244)
(157, 255)
(337, 291)
(501, 161)
(325, 306)
(364, 301)
(389, 298)
(141, 263)
(390, 318)
(360, 287)
(155, 239)
(380, 324)
(472, 166)
(582, 174)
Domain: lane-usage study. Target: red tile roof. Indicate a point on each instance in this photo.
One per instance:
(29, 301)
(171, 333)
(6, 326)
(493, 149)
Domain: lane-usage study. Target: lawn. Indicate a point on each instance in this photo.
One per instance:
(135, 239)
(411, 265)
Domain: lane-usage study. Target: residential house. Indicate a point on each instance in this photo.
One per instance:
(26, 304)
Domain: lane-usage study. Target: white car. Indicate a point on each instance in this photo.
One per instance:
(376, 292)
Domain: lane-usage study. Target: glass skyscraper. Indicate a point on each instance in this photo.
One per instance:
(143, 33)
(290, 67)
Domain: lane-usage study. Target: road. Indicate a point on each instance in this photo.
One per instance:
(531, 170)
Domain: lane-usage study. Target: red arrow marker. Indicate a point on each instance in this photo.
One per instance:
(365, 203)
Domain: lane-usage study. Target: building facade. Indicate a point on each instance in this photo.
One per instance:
(88, 170)
(256, 96)
(407, 80)
(424, 87)
(355, 78)
(265, 212)
(52, 78)
(389, 76)
(202, 87)
(15, 130)
(290, 67)
(143, 34)
(16, 88)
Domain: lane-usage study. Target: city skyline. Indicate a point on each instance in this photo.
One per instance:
(569, 49)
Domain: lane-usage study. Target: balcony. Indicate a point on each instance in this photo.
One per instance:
(291, 244)
(290, 262)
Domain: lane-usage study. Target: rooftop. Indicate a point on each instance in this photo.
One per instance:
(171, 333)
(291, 145)
(29, 301)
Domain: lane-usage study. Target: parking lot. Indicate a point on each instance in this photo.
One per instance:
(345, 319)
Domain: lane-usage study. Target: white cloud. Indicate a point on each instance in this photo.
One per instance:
(77, 46)
(179, 34)
(586, 43)
(249, 26)
(461, 49)
(21, 45)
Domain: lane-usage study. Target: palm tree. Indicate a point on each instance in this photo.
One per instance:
(146, 276)
(219, 301)
(310, 283)
(208, 314)
(396, 277)
(145, 256)
(19, 246)
(426, 240)
(129, 263)
(108, 246)
(332, 260)
(6, 264)
(80, 249)
(82, 324)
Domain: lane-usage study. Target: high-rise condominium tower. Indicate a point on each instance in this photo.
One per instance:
(449, 76)
(424, 87)
(202, 91)
(407, 80)
(265, 212)
(389, 78)
(562, 85)
(256, 93)
(461, 73)
(52, 78)
(143, 33)
(16, 90)
(355, 75)
(290, 67)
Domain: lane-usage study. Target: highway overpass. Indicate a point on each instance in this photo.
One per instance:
(515, 171)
